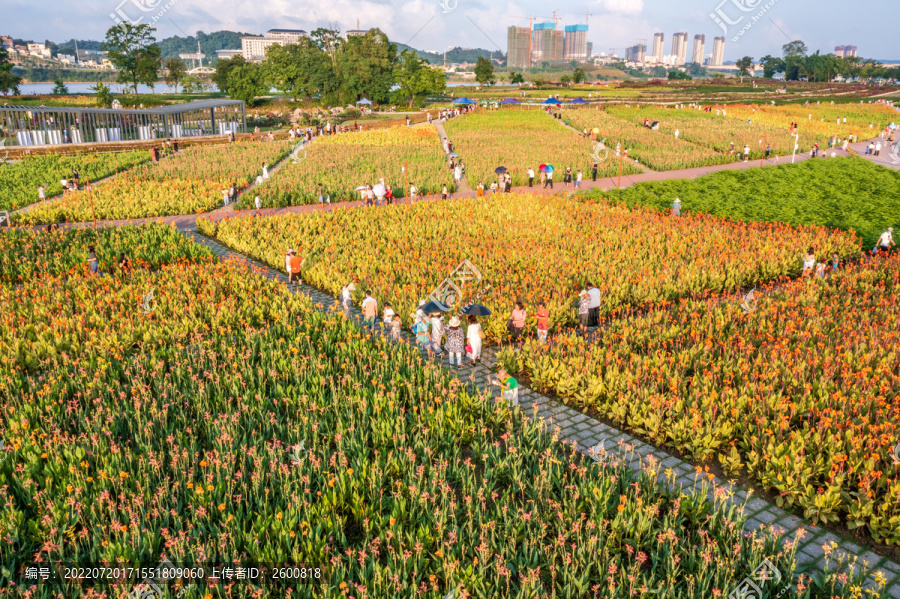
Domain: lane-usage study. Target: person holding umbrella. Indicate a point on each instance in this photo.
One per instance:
(474, 335)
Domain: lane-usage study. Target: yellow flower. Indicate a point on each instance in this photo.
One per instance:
(124, 528)
(350, 471)
(209, 487)
(44, 456)
(70, 488)
(293, 534)
(278, 516)
(221, 507)
(393, 521)
(90, 479)
(203, 464)
(190, 485)
(84, 464)
(123, 475)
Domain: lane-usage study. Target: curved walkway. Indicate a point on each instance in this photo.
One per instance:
(593, 438)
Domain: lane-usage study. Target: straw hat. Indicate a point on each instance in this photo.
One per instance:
(352, 286)
(454, 322)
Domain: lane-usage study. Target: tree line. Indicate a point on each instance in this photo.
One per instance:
(796, 63)
(335, 70)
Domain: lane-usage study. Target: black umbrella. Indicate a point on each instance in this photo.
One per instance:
(500, 169)
(435, 306)
(475, 310)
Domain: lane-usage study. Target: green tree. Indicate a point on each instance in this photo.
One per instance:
(300, 70)
(516, 78)
(771, 65)
(744, 65)
(133, 51)
(191, 85)
(484, 71)
(566, 79)
(247, 82)
(365, 67)
(416, 78)
(696, 69)
(794, 60)
(59, 87)
(718, 76)
(659, 72)
(104, 95)
(677, 75)
(9, 81)
(175, 72)
(223, 70)
(578, 75)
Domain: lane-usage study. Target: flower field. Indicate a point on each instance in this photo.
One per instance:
(713, 132)
(187, 183)
(402, 483)
(519, 139)
(27, 254)
(659, 151)
(88, 319)
(848, 193)
(529, 247)
(341, 163)
(19, 182)
(801, 394)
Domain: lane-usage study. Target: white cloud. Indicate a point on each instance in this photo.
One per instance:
(631, 7)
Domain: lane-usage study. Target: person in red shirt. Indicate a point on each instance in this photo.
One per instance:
(543, 322)
(295, 264)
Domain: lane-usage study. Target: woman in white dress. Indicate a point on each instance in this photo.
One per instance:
(474, 334)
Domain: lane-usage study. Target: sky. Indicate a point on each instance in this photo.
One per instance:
(435, 25)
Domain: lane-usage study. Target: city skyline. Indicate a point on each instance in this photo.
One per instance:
(438, 24)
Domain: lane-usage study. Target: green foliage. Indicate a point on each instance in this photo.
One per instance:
(771, 65)
(578, 75)
(103, 94)
(59, 88)
(675, 74)
(365, 66)
(300, 70)
(175, 72)
(744, 65)
(9, 81)
(416, 78)
(516, 78)
(484, 71)
(134, 52)
(844, 193)
(223, 71)
(246, 82)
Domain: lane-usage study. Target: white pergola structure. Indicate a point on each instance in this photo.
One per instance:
(57, 125)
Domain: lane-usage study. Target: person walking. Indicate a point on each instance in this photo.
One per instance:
(41, 195)
(388, 316)
(265, 167)
(676, 133)
(550, 179)
(543, 322)
(878, 148)
(347, 298)
(596, 300)
(676, 207)
(886, 240)
(423, 341)
(437, 333)
(455, 342)
(543, 180)
(530, 176)
(567, 177)
(287, 263)
(479, 190)
(444, 193)
(578, 177)
(516, 324)
(768, 151)
(746, 153)
(258, 203)
(474, 335)
(93, 263)
(809, 262)
(584, 310)
(396, 327)
(369, 310)
(295, 263)
(594, 172)
(457, 174)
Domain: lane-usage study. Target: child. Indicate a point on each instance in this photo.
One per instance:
(295, 265)
(455, 342)
(444, 192)
(422, 338)
(543, 322)
(835, 263)
(396, 327)
(41, 196)
(480, 192)
(388, 315)
(494, 188)
(508, 386)
(820, 270)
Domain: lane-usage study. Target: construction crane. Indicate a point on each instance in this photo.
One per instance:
(586, 15)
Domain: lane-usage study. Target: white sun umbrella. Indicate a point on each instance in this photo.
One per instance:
(379, 189)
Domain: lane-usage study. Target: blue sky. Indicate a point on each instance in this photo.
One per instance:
(436, 24)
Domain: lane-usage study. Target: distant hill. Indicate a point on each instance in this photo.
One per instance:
(218, 40)
(454, 55)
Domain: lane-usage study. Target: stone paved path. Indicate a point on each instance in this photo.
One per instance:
(590, 436)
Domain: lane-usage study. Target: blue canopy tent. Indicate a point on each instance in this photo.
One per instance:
(364, 101)
(578, 101)
(551, 101)
(509, 101)
(463, 101)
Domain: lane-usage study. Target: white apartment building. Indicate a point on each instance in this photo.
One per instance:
(254, 48)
